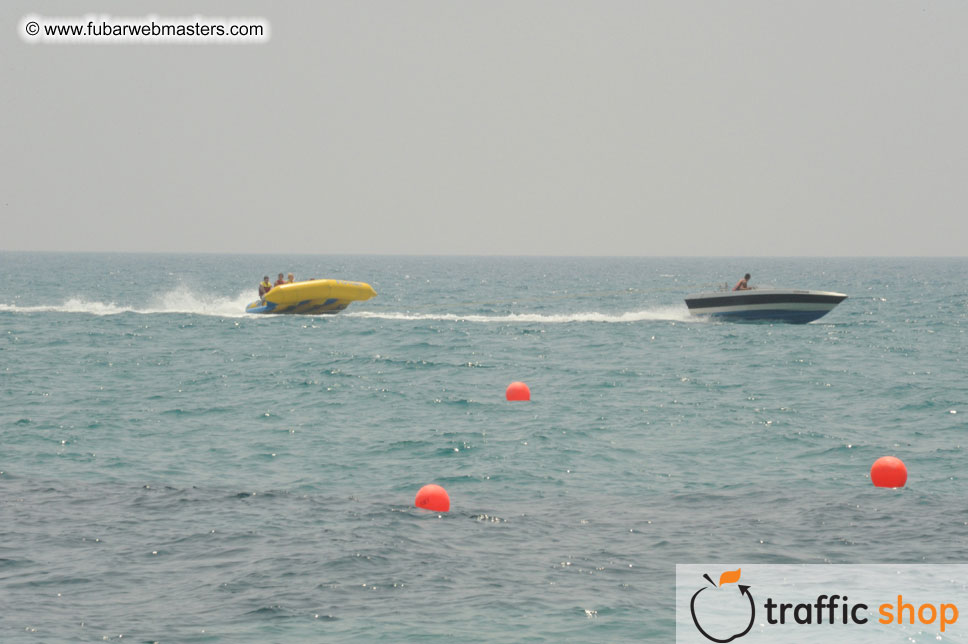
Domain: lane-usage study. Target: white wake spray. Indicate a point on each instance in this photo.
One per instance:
(659, 314)
(179, 300)
(188, 301)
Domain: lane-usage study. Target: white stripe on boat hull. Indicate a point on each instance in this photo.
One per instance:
(765, 305)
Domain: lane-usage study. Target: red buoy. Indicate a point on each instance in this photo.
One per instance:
(518, 391)
(888, 471)
(433, 497)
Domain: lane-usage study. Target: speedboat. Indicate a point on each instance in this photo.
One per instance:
(311, 297)
(765, 305)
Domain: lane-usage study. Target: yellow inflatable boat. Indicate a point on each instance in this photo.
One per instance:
(312, 297)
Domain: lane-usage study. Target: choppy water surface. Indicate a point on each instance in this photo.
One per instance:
(176, 471)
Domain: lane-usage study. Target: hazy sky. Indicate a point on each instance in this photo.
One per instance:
(674, 127)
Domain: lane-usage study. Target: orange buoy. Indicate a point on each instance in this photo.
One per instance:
(433, 497)
(518, 391)
(888, 471)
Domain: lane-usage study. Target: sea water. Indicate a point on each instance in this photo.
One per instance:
(174, 470)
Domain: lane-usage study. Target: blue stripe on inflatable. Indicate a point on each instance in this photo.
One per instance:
(311, 307)
(267, 307)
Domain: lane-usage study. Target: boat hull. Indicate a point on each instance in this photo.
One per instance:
(312, 297)
(765, 305)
